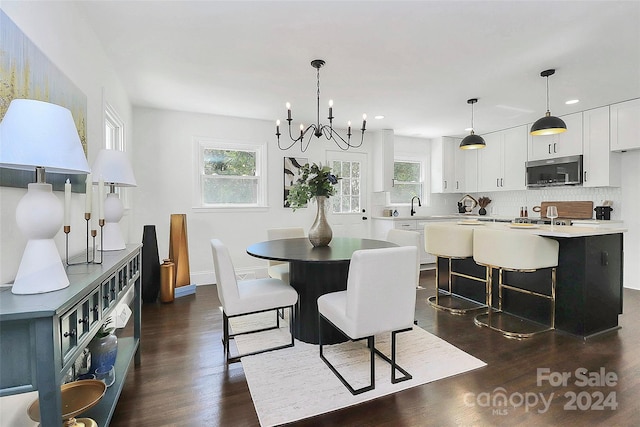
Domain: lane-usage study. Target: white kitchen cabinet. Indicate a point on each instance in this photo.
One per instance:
(448, 166)
(601, 167)
(563, 144)
(501, 164)
(382, 157)
(625, 125)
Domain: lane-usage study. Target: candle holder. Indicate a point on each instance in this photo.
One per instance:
(91, 238)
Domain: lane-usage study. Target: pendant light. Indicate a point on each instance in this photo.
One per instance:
(548, 125)
(472, 141)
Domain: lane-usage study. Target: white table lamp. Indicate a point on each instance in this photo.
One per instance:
(114, 168)
(35, 135)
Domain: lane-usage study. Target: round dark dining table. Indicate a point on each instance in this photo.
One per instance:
(314, 272)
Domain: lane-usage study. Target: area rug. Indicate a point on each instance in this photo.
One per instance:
(294, 383)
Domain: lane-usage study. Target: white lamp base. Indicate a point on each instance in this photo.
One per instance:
(112, 239)
(39, 216)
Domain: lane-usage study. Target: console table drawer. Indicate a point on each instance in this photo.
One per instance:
(109, 290)
(70, 324)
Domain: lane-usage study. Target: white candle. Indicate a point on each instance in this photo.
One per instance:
(67, 203)
(94, 213)
(88, 191)
(101, 198)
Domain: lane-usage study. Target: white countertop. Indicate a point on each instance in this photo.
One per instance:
(547, 230)
(444, 217)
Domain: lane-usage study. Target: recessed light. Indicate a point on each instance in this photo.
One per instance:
(572, 101)
(378, 117)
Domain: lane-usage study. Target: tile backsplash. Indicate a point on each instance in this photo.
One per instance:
(508, 203)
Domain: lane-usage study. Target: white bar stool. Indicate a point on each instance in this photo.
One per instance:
(451, 241)
(515, 251)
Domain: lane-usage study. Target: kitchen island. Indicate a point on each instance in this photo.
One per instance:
(589, 279)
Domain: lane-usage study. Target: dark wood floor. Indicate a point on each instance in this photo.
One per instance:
(183, 379)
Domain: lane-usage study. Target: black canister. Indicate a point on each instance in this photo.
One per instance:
(603, 212)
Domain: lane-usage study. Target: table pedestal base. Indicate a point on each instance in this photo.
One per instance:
(311, 280)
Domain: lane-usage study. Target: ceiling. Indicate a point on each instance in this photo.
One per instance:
(415, 62)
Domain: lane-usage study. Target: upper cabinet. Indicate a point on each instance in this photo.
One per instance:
(601, 167)
(383, 152)
(563, 144)
(448, 166)
(625, 125)
(501, 164)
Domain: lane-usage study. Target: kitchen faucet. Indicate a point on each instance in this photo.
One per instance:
(413, 212)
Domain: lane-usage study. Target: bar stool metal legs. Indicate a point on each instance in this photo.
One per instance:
(447, 300)
(510, 325)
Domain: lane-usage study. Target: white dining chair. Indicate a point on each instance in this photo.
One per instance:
(279, 269)
(407, 238)
(240, 298)
(380, 298)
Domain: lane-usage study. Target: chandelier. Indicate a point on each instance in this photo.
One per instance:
(316, 129)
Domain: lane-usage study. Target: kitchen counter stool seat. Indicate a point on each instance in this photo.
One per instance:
(518, 252)
(451, 242)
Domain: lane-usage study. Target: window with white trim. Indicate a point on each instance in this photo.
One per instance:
(113, 129)
(408, 181)
(348, 195)
(230, 175)
(114, 140)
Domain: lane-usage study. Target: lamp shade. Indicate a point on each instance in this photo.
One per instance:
(40, 134)
(472, 142)
(114, 168)
(548, 125)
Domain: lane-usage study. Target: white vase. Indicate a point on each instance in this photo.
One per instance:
(320, 233)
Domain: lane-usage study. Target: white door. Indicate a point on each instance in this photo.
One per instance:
(348, 211)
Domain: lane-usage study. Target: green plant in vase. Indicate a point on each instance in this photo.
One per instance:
(316, 182)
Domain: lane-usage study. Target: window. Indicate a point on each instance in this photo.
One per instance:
(407, 178)
(230, 175)
(114, 140)
(113, 129)
(347, 197)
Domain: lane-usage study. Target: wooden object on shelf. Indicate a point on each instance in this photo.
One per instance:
(179, 249)
(573, 210)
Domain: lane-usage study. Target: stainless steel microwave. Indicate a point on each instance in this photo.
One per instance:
(554, 172)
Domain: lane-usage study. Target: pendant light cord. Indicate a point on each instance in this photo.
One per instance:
(547, 94)
(318, 97)
(472, 128)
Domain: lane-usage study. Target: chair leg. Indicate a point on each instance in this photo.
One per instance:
(372, 352)
(226, 336)
(394, 366)
(372, 368)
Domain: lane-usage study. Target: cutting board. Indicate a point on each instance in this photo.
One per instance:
(573, 210)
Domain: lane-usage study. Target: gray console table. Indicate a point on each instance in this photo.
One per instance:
(42, 335)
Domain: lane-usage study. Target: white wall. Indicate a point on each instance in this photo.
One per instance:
(164, 161)
(60, 33)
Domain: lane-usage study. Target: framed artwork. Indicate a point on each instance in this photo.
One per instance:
(292, 167)
(26, 73)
